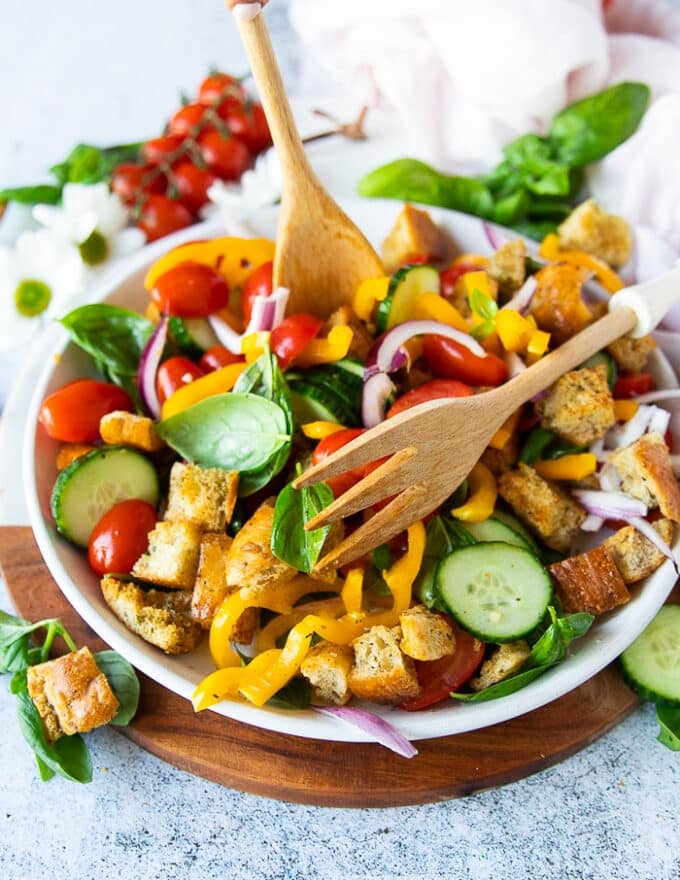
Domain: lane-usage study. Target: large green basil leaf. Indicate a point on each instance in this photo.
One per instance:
(290, 541)
(124, 683)
(669, 723)
(39, 194)
(89, 164)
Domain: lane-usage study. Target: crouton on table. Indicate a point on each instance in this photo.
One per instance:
(203, 496)
(579, 407)
(172, 557)
(589, 582)
(647, 474)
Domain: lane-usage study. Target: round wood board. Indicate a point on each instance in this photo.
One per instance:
(324, 773)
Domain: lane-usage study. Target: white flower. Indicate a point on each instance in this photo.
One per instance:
(94, 220)
(258, 188)
(38, 276)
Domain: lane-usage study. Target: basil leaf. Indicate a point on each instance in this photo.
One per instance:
(237, 432)
(512, 208)
(442, 536)
(45, 772)
(502, 688)
(40, 194)
(290, 541)
(589, 129)
(124, 683)
(297, 694)
(14, 641)
(89, 164)
(669, 721)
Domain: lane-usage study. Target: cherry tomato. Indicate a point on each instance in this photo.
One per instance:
(121, 536)
(247, 122)
(185, 120)
(130, 181)
(160, 216)
(216, 357)
(292, 335)
(227, 156)
(190, 290)
(260, 282)
(192, 184)
(220, 85)
(432, 390)
(173, 374)
(451, 360)
(326, 447)
(631, 384)
(73, 413)
(158, 149)
(449, 277)
(438, 678)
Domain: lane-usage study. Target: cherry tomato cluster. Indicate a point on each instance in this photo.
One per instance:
(216, 137)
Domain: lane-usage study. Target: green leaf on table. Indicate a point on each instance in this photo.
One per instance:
(669, 722)
(15, 633)
(124, 683)
(40, 194)
(290, 541)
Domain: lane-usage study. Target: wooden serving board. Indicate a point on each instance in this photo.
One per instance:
(324, 773)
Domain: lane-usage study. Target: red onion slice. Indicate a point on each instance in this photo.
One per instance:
(377, 389)
(655, 396)
(382, 731)
(148, 367)
(494, 236)
(397, 336)
(609, 479)
(227, 336)
(592, 523)
(659, 421)
(399, 359)
(609, 505)
(522, 299)
(514, 363)
(628, 432)
(598, 450)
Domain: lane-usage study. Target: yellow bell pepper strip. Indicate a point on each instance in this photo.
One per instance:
(550, 247)
(482, 499)
(319, 430)
(624, 410)
(352, 591)
(550, 250)
(223, 684)
(537, 347)
(567, 467)
(502, 436)
(254, 344)
(432, 306)
(324, 351)
(233, 258)
(400, 577)
(216, 382)
(514, 330)
(278, 626)
(471, 260)
(368, 293)
(477, 281)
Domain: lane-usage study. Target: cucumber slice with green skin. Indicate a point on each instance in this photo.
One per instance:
(652, 663)
(518, 526)
(93, 483)
(493, 529)
(407, 284)
(194, 336)
(496, 591)
(349, 400)
(312, 403)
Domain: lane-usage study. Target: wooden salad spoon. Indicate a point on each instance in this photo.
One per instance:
(321, 256)
(434, 446)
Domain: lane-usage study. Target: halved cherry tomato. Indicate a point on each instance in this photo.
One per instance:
(190, 290)
(220, 85)
(121, 536)
(192, 184)
(227, 156)
(158, 149)
(161, 215)
(185, 120)
(326, 447)
(438, 678)
(448, 277)
(432, 390)
(218, 356)
(450, 360)
(632, 384)
(173, 374)
(260, 282)
(292, 335)
(73, 413)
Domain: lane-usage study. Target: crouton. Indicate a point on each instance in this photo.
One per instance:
(557, 305)
(203, 496)
(210, 586)
(500, 460)
(635, 556)
(172, 557)
(362, 341)
(424, 635)
(381, 671)
(414, 234)
(70, 452)
(128, 429)
(631, 355)
(507, 267)
(503, 662)
(543, 506)
(579, 407)
(326, 667)
(589, 228)
(161, 618)
(647, 474)
(71, 694)
(589, 582)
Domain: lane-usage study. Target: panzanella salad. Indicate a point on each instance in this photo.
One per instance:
(176, 469)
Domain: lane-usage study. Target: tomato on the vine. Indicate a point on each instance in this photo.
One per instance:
(173, 374)
(192, 184)
(186, 120)
(226, 155)
(260, 282)
(292, 335)
(157, 150)
(217, 356)
(451, 360)
(432, 390)
(190, 290)
(129, 182)
(121, 536)
(247, 122)
(73, 413)
(220, 85)
(161, 215)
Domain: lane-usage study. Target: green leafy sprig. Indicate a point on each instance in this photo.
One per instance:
(290, 541)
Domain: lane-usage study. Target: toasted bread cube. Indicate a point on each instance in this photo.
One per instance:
(204, 496)
(210, 587)
(508, 267)
(631, 355)
(557, 304)
(647, 474)
(414, 234)
(69, 452)
(250, 562)
(635, 556)
(424, 635)
(326, 667)
(362, 341)
(172, 557)
(500, 460)
(589, 582)
(129, 429)
(589, 228)
(504, 662)
(161, 618)
(381, 671)
(542, 505)
(579, 407)
(71, 694)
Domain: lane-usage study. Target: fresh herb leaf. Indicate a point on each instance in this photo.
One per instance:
(124, 683)
(297, 694)
(502, 688)
(15, 651)
(669, 722)
(89, 164)
(486, 310)
(290, 541)
(40, 194)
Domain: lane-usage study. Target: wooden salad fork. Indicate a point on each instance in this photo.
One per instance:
(321, 256)
(434, 446)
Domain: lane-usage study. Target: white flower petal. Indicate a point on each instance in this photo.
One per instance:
(127, 242)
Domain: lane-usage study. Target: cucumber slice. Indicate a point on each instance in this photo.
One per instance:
(652, 663)
(496, 591)
(312, 403)
(518, 526)
(193, 335)
(93, 483)
(493, 529)
(407, 284)
(601, 357)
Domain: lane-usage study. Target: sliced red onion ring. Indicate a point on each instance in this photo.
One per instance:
(382, 731)
(609, 479)
(647, 529)
(598, 450)
(399, 359)
(261, 316)
(377, 389)
(280, 297)
(522, 299)
(659, 421)
(628, 432)
(397, 336)
(227, 336)
(609, 505)
(148, 367)
(514, 363)
(592, 523)
(655, 396)
(494, 235)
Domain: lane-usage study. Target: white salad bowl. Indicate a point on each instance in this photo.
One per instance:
(607, 638)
